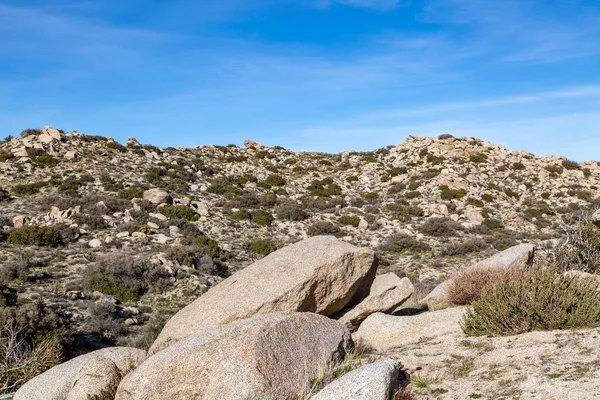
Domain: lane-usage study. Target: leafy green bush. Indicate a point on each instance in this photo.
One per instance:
(439, 226)
(512, 193)
(400, 242)
(324, 188)
(291, 211)
(5, 156)
(179, 212)
(43, 161)
(352, 178)
(487, 197)
(413, 194)
(116, 146)
(261, 247)
(36, 235)
(349, 220)
(111, 285)
(518, 166)
(275, 180)
(571, 165)
(475, 202)
(323, 228)
(534, 300)
(261, 217)
(372, 196)
(449, 194)
(478, 158)
(131, 193)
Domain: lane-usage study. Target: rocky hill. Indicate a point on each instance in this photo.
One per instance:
(101, 242)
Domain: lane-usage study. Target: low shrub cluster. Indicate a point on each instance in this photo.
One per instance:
(36, 235)
(400, 243)
(324, 188)
(324, 228)
(125, 277)
(261, 247)
(534, 300)
(440, 227)
(291, 211)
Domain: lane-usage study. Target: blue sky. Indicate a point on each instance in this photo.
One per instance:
(326, 75)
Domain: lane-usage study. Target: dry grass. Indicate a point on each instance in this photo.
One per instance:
(466, 286)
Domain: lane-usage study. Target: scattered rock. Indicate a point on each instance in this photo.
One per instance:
(95, 243)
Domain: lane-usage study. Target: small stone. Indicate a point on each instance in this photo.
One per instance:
(95, 243)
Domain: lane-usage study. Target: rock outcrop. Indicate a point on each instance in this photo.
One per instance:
(271, 356)
(83, 377)
(320, 275)
(387, 292)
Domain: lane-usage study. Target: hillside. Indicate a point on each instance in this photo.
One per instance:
(147, 230)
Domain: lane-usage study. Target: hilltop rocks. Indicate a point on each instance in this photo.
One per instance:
(387, 292)
(320, 275)
(385, 332)
(519, 255)
(377, 381)
(84, 376)
(157, 196)
(272, 356)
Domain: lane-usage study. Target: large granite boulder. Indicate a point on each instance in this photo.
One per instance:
(270, 356)
(83, 377)
(320, 275)
(387, 292)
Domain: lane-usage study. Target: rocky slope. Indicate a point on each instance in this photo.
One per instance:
(134, 232)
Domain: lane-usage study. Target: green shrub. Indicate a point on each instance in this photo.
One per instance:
(261, 247)
(131, 193)
(291, 211)
(43, 161)
(478, 158)
(179, 212)
(116, 146)
(5, 156)
(513, 194)
(323, 228)
(450, 194)
(275, 180)
(111, 285)
(554, 168)
(261, 217)
(571, 165)
(30, 132)
(372, 196)
(459, 249)
(475, 202)
(518, 166)
(535, 300)
(413, 194)
(349, 220)
(36, 235)
(324, 188)
(492, 223)
(487, 197)
(439, 226)
(241, 215)
(400, 243)
(352, 178)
